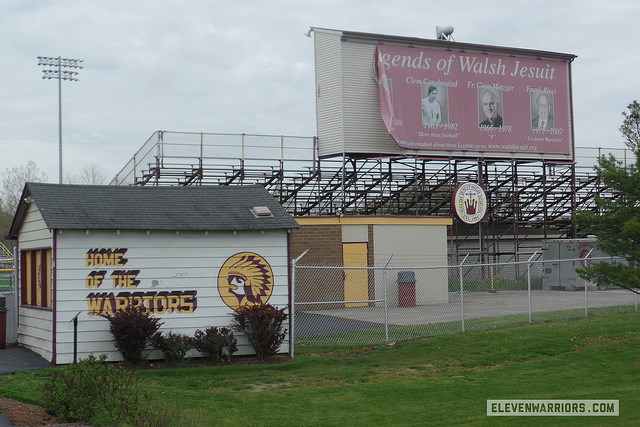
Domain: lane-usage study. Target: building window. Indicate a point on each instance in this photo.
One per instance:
(35, 278)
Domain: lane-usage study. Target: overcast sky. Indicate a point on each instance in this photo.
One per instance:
(246, 66)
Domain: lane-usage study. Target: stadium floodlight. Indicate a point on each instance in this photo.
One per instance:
(60, 74)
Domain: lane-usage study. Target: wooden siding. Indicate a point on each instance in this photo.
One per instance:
(35, 330)
(33, 230)
(167, 262)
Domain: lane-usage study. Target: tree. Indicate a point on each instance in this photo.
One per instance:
(5, 224)
(90, 174)
(13, 181)
(630, 127)
(616, 225)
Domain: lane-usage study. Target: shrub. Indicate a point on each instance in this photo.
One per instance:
(218, 343)
(262, 323)
(132, 328)
(92, 391)
(72, 393)
(174, 347)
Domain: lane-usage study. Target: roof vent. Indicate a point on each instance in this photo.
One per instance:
(261, 212)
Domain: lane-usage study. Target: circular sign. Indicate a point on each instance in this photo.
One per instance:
(469, 202)
(245, 279)
(584, 249)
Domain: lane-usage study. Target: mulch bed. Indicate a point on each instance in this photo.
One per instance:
(25, 414)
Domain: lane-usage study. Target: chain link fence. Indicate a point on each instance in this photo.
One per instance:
(8, 302)
(338, 305)
(6, 280)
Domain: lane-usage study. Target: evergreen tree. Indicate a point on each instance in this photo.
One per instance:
(616, 224)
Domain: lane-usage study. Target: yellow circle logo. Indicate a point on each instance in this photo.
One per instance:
(244, 279)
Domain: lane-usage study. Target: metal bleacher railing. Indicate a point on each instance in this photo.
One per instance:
(289, 167)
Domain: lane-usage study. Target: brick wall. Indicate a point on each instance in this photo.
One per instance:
(325, 248)
(323, 241)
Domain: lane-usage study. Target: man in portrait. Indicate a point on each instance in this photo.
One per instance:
(490, 104)
(544, 120)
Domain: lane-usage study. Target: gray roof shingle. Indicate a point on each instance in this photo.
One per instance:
(153, 208)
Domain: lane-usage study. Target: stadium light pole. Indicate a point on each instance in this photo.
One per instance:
(60, 72)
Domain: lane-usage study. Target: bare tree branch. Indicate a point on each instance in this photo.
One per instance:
(13, 181)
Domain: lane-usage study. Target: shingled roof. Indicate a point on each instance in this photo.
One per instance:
(152, 208)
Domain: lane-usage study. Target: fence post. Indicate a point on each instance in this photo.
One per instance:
(292, 332)
(386, 302)
(462, 292)
(529, 284)
(75, 337)
(135, 162)
(586, 292)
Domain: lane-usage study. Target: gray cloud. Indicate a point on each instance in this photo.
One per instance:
(238, 67)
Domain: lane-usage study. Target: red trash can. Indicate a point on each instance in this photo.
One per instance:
(3, 322)
(406, 289)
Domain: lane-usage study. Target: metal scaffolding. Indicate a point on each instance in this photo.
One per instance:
(527, 200)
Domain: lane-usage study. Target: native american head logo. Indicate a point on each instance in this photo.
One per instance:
(244, 279)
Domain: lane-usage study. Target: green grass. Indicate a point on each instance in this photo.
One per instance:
(445, 380)
(5, 283)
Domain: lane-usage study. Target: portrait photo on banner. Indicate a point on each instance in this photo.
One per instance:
(435, 104)
(490, 109)
(542, 111)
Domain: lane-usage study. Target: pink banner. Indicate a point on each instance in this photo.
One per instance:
(432, 99)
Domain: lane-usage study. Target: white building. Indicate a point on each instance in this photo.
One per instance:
(189, 255)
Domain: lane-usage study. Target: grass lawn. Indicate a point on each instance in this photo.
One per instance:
(445, 380)
(5, 283)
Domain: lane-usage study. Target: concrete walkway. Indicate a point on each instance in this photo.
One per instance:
(15, 359)
(477, 305)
